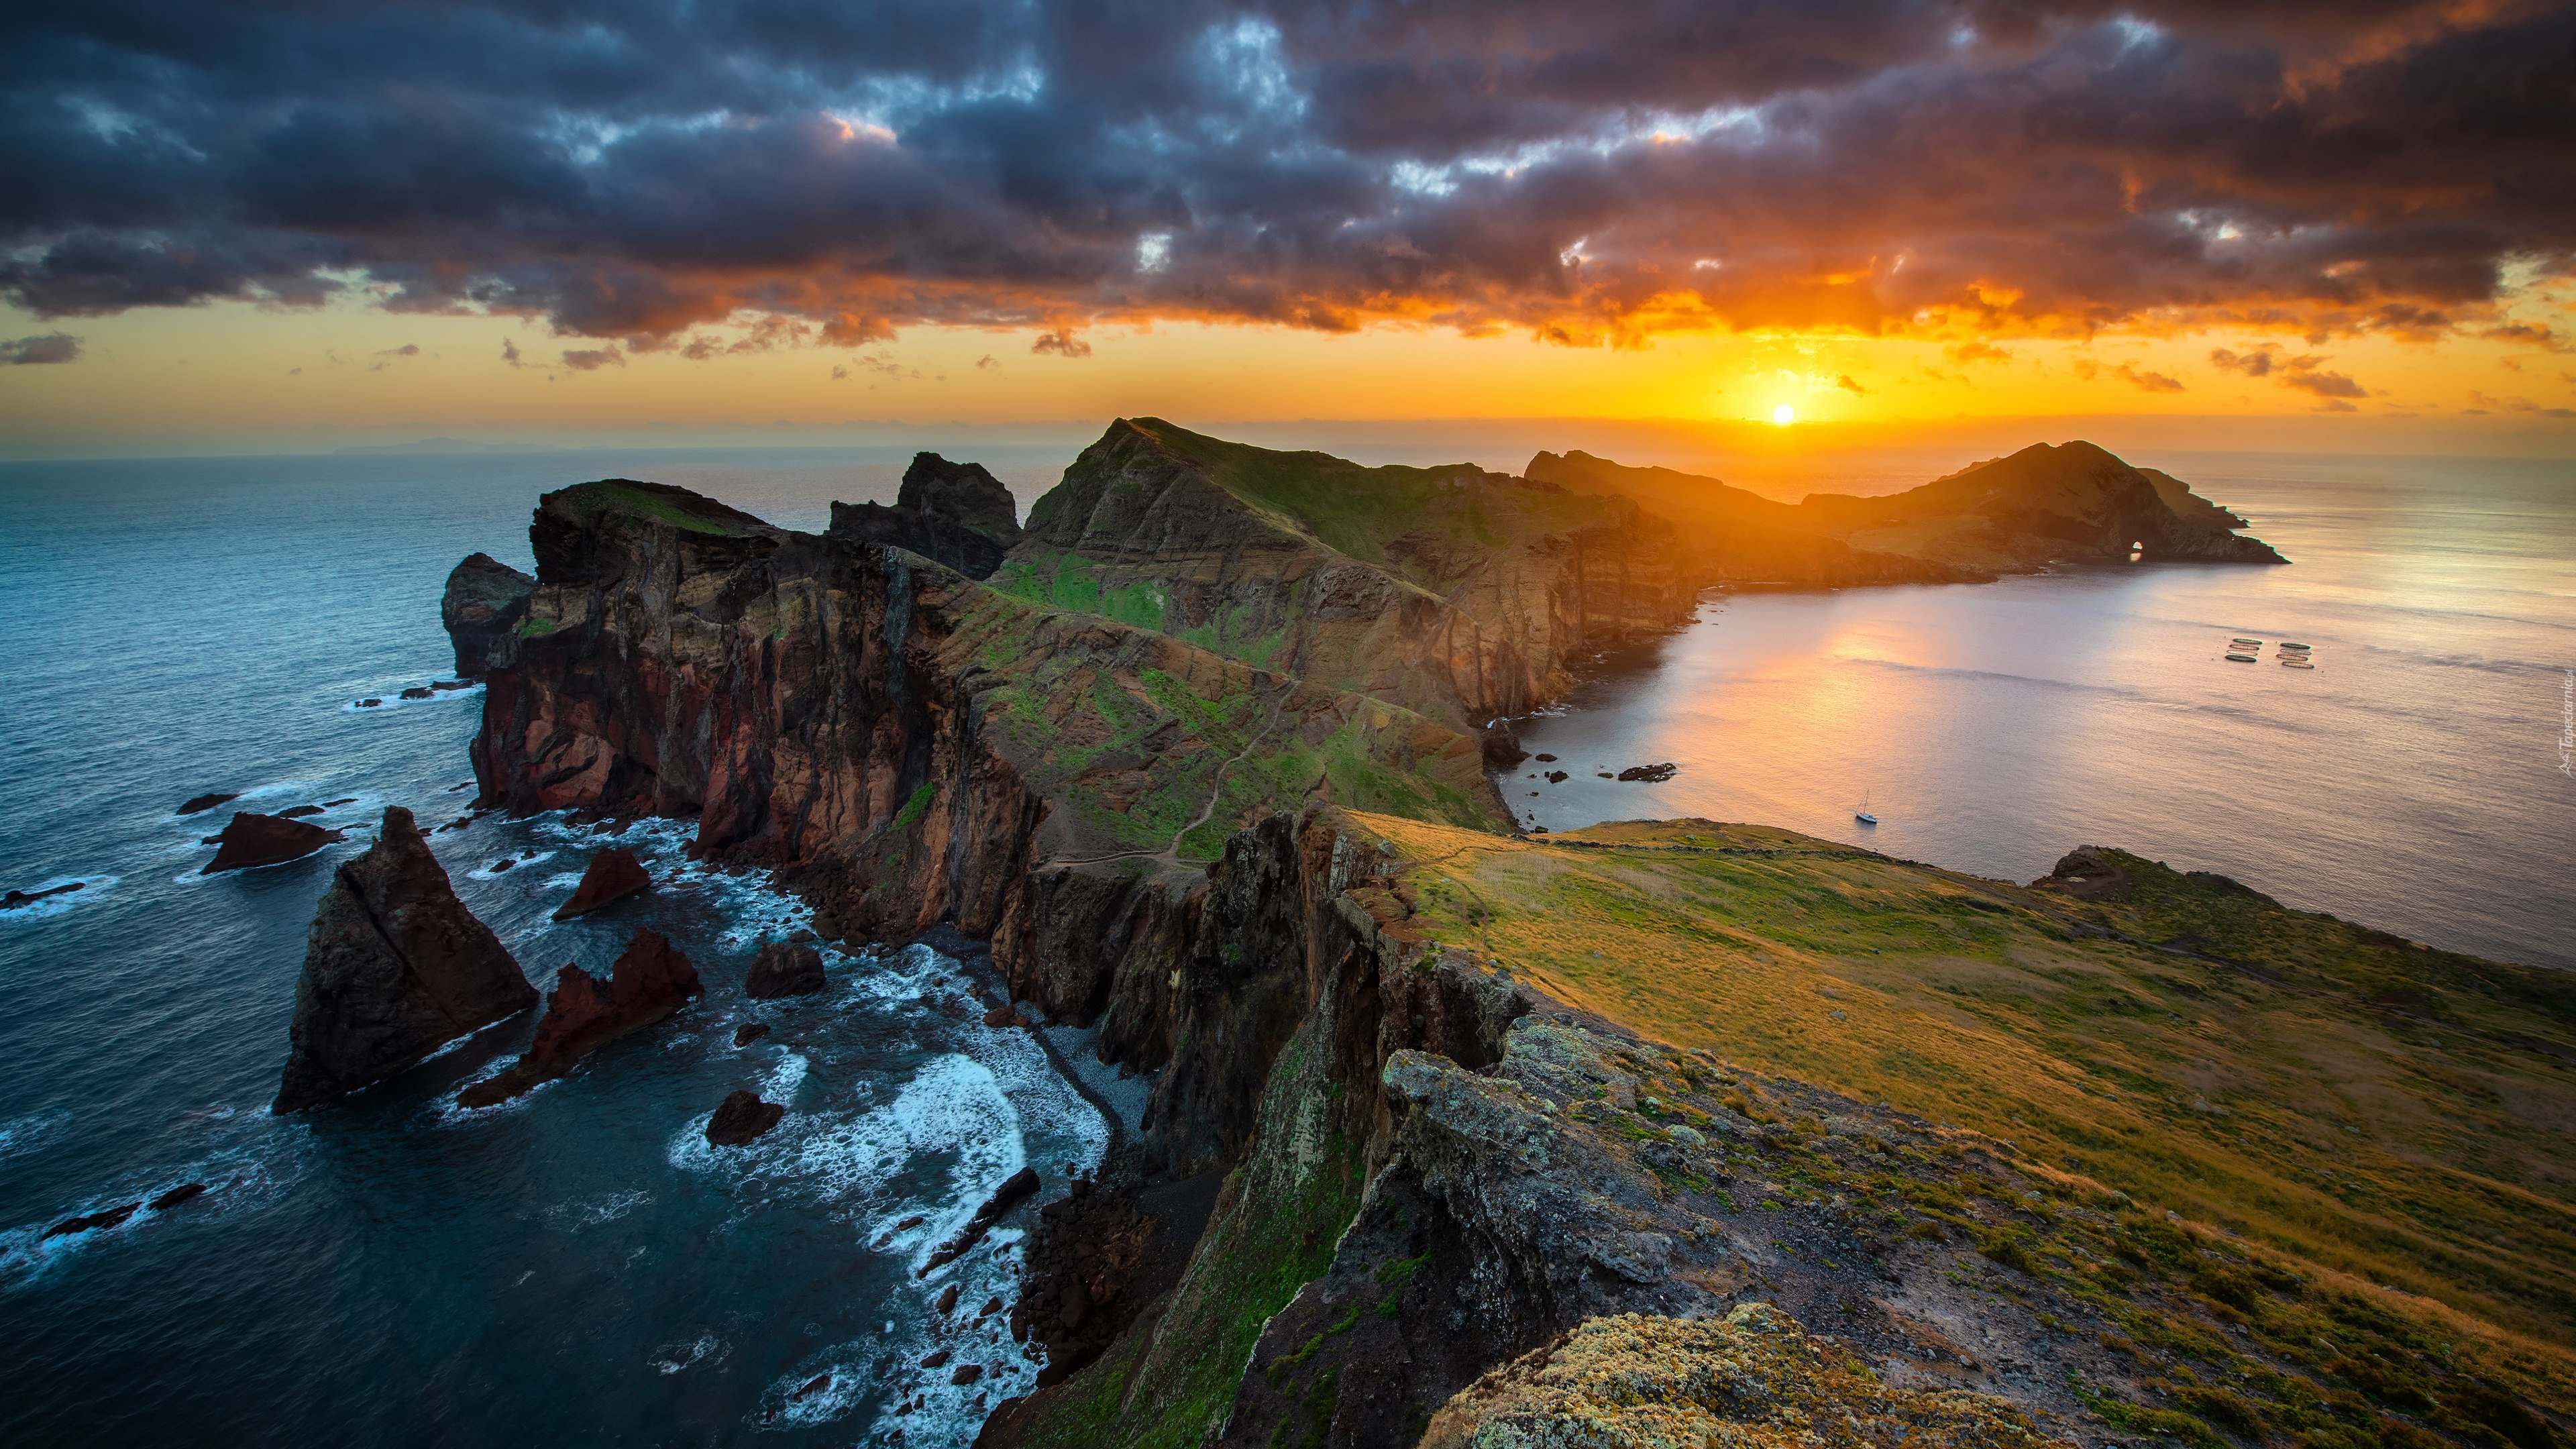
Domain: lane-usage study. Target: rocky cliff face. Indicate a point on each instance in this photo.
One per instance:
(956, 514)
(911, 749)
(1460, 594)
(394, 968)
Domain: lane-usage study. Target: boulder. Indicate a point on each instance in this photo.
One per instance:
(395, 966)
(614, 874)
(1501, 746)
(784, 968)
(207, 802)
(749, 1032)
(650, 980)
(257, 840)
(742, 1117)
(485, 603)
(417, 691)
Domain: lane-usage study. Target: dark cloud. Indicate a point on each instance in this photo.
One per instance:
(639, 171)
(1062, 344)
(51, 347)
(592, 359)
(1851, 385)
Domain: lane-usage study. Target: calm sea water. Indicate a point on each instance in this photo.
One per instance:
(579, 1268)
(2411, 781)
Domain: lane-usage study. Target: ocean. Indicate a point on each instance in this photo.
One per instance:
(579, 1267)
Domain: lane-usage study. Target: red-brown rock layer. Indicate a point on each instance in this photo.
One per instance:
(252, 840)
(614, 874)
(650, 981)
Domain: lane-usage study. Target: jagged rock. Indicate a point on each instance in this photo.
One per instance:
(956, 514)
(1501, 746)
(178, 1195)
(1015, 1189)
(1752, 1380)
(948, 1299)
(650, 981)
(298, 812)
(394, 967)
(1649, 774)
(614, 874)
(252, 840)
(784, 968)
(485, 604)
(749, 1032)
(418, 691)
(742, 1117)
(206, 802)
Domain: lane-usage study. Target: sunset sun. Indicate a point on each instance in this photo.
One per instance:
(1784, 415)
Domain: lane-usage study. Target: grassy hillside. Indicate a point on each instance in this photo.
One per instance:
(2397, 1114)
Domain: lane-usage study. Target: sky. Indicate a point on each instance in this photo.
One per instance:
(2319, 223)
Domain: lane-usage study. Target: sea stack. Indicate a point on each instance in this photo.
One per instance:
(650, 981)
(614, 874)
(394, 968)
(485, 603)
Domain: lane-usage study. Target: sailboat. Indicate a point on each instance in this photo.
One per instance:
(1862, 814)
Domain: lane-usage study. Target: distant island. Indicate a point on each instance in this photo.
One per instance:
(444, 445)
(1466, 1136)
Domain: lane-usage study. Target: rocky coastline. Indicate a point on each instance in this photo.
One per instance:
(1164, 835)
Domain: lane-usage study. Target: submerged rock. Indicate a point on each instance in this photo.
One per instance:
(18, 900)
(650, 981)
(742, 1117)
(784, 968)
(485, 603)
(206, 802)
(614, 874)
(257, 840)
(395, 966)
(1649, 774)
(178, 1195)
(107, 1219)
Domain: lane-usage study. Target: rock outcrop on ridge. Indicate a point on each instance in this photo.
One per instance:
(395, 966)
(957, 514)
(485, 604)
(253, 840)
(2072, 503)
(650, 981)
(1461, 594)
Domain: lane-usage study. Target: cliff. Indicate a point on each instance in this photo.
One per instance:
(1460, 594)
(1458, 1096)
(395, 967)
(956, 514)
(2073, 503)
(911, 748)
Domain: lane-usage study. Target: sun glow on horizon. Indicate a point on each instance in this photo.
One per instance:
(1784, 415)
